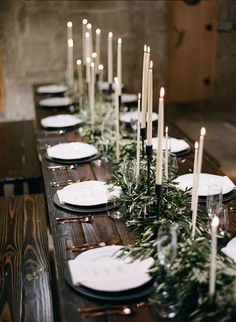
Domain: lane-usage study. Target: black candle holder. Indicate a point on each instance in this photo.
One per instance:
(158, 192)
(119, 100)
(143, 138)
(149, 160)
(110, 89)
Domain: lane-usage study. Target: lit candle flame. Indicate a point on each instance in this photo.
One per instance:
(88, 60)
(89, 26)
(69, 24)
(148, 50)
(94, 55)
(116, 80)
(196, 145)
(98, 31)
(166, 130)
(110, 35)
(100, 67)
(78, 62)
(145, 48)
(215, 222)
(70, 42)
(87, 35)
(203, 131)
(92, 65)
(119, 41)
(162, 92)
(85, 21)
(151, 64)
(139, 96)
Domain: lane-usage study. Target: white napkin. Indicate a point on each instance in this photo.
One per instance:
(230, 249)
(186, 182)
(107, 272)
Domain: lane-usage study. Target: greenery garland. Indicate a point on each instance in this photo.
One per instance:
(189, 271)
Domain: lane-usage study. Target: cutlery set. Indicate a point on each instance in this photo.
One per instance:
(81, 219)
(97, 311)
(62, 167)
(62, 183)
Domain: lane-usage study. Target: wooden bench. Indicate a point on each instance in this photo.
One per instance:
(19, 161)
(25, 279)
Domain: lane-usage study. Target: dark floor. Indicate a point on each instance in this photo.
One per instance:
(220, 124)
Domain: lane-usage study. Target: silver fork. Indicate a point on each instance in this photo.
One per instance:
(62, 183)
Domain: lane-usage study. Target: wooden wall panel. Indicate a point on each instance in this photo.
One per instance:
(2, 88)
(191, 50)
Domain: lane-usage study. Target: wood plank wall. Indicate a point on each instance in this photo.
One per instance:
(2, 88)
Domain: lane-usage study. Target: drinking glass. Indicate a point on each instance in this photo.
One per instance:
(107, 135)
(134, 126)
(214, 200)
(167, 245)
(223, 221)
(129, 172)
(168, 300)
(167, 294)
(172, 164)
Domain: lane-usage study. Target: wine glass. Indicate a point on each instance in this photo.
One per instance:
(223, 221)
(166, 245)
(129, 172)
(214, 200)
(134, 126)
(167, 294)
(170, 165)
(107, 136)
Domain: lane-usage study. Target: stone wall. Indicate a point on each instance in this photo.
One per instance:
(33, 44)
(33, 37)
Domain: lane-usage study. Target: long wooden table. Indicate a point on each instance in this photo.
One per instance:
(103, 228)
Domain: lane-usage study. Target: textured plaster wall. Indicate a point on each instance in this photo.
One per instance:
(33, 42)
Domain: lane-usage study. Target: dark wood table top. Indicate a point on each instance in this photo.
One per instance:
(103, 227)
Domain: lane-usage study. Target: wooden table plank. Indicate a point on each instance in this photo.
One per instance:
(24, 296)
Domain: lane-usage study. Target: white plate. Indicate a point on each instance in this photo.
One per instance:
(104, 86)
(205, 180)
(52, 89)
(230, 249)
(133, 115)
(56, 101)
(88, 193)
(128, 98)
(100, 270)
(71, 151)
(175, 145)
(60, 121)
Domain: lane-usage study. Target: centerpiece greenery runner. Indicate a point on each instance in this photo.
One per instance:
(190, 269)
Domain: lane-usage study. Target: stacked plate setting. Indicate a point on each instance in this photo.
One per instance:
(72, 152)
(61, 121)
(88, 196)
(99, 274)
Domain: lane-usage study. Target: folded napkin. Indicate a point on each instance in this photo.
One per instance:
(105, 272)
(205, 180)
(230, 249)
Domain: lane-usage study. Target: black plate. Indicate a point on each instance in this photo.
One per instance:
(77, 161)
(124, 297)
(85, 209)
(183, 153)
(226, 197)
(65, 128)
